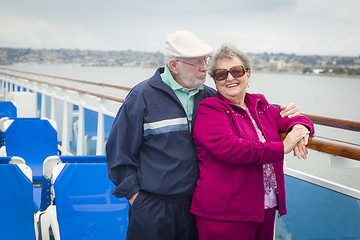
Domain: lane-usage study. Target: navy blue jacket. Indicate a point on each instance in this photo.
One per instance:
(150, 146)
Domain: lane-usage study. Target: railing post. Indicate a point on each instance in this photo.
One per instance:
(43, 107)
(6, 90)
(100, 134)
(37, 103)
(81, 131)
(66, 128)
(52, 109)
(2, 87)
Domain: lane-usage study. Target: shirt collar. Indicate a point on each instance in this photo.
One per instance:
(250, 99)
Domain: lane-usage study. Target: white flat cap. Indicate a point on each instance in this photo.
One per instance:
(186, 45)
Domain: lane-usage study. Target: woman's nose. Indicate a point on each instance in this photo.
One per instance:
(229, 76)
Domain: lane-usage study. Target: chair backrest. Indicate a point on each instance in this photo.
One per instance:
(16, 204)
(48, 166)
(86, 208)
(7, 109)
(33, 139)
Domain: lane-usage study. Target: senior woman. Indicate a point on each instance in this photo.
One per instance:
(236, 134)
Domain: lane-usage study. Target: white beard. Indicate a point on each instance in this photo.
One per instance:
(189, 80)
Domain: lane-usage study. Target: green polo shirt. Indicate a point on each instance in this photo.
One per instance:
(186, 98)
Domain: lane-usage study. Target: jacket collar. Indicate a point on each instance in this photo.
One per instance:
(156, 82)
(251, 100)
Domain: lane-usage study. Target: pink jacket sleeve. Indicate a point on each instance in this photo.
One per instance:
(214, 132)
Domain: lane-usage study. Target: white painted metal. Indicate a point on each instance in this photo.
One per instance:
(108, 107)
(25, 102)
(66, 98)
(81, 132)
(341, 162)
(43, 108)
(100, 134)
(65, 129)
(323, 183)
(52, 108)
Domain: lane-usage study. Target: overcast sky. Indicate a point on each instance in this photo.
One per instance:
(322, 27)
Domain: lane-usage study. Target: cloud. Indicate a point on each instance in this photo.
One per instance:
(289, 26)
(39, 33)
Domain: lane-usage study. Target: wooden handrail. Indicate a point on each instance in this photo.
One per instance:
(334, 122)
(335, 147)
(326, 121)
(331, 146)
(326, 145)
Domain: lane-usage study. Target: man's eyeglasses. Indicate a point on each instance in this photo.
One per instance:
(236, 72)
(197, 65)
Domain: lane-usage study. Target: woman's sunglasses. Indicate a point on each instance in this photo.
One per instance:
(236, 72)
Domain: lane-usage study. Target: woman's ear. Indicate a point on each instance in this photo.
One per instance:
(249, 73)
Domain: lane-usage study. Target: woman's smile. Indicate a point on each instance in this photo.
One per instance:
(231, 85)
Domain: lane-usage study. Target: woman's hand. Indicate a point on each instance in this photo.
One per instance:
(300, 150)
(294, 139)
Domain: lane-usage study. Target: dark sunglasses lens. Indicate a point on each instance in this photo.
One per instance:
(221, 74)
(237, 72)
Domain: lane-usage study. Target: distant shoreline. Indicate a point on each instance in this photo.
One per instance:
(269, 62)
(309, 74)
(155, 67)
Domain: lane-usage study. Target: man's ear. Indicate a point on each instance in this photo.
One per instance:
(173, 66)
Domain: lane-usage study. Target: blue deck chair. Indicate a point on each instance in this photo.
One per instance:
(16, 203)
(33, 139)
(36, 190)
(7, 109)
(85, 207)
(48, 166)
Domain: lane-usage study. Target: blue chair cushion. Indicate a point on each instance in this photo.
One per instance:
(32, 139)
(85, 204)
(16, 204)
(7, 109)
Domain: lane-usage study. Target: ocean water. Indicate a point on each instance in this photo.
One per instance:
(337, 97)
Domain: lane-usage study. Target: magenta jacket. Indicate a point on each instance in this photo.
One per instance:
(231, 187)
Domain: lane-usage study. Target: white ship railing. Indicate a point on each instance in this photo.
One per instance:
(63, 98)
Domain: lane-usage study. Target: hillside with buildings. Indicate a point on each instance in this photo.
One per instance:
(269, 62)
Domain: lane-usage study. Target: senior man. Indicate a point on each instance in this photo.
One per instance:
(150, 151)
